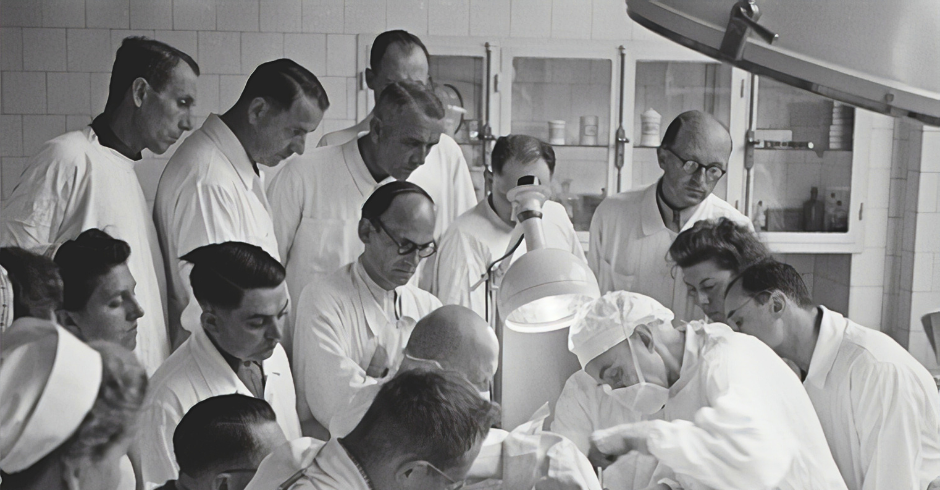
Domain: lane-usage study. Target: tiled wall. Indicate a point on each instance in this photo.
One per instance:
(56, 55)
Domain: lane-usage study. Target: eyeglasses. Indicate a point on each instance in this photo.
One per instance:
(453, 484)
(424, 251)
(713, 172)
(742, 305)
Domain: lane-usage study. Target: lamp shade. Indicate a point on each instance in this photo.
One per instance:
(543, 290)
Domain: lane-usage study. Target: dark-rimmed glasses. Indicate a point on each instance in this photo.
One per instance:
(713, 172)
(404, 248)
(453, 484)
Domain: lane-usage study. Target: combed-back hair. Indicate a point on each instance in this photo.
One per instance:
(140, 57)
(222, 272)
(380, 200)
(769, 276)
(521, 149)
(84, 260)
(37, 285)
(730, 245)
(411, 96)
(219, 430)
(388, 38)
(436, 416)
(281, 82)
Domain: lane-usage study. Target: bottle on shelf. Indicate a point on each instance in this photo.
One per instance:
(760, 217)
(813, 212)
(840, 218)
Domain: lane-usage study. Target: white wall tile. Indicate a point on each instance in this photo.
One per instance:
(928, 232)
(114, 14)
(865, 305)
(11, 169)
(67, 93)
(340, 55)
(194, 15)
(610, 21)
(89, 50)
(280, 15)
(118, 35)
(11, 48)
(11, 136)
(230, 88)
(936, 272)
(220, 52)
(336, 90)
(876, 227)
(184, 41)
(309, 50)
(39, 129)
(260, 47)
(927, 195)
(98, 92)
(330, 125)
(151, 14)
(489, 18)
(930, 152)
(323, 16)
(63, 13)
(20, 13)
(530, 18)
(364, 16)
(880, 146)
(352, 87)
(24, 92)
(410, 15)
(879, 186)
(237, 15)
(44, 49)
(77, 122)
(207, 95)
(868, 268)
(449, 18)
(571, 19)
(923, 272)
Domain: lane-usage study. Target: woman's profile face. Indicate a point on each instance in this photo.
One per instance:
(706, 282)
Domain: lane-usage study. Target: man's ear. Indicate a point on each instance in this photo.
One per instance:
(220, 482)
(64, 318)
(71, 474)
(488, 178)
(139, 91)
(408, 474)
(258, 108)
(370, 80)
(661, 158)
(778, 303)
(646, 336)
(209, 319)
(365, 230)
(375, 128)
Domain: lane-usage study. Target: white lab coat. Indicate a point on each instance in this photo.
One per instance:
(738, 418)
(444, 175)
(476, 239)
(73, 184)
(331, 469)
(208, 193)
(341, 323)
(195, 372)
(877, 405)
(630, 243)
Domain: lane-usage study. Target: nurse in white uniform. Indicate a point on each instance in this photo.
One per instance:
(878, 406)
(396, 56)
(734, 416)
(484, 234)
(85, 179)
(631, 231)
(211, 191)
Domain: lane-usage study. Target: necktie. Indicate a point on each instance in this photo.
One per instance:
(251, 375)
(676, 221)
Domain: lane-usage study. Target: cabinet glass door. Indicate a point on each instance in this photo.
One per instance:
(567, 102)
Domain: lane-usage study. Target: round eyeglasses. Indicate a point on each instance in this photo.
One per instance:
(406, 247)
(452, 484)
(713, 172)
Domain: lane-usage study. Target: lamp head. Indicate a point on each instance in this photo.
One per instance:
(528, 197)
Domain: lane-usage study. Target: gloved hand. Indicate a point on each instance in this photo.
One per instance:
(621, 439)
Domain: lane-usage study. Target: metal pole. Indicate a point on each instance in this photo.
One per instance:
(621, 137)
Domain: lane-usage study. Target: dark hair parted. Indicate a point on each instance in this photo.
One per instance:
(436, 416)
(219, 430)
(37, 285)
(84, 260)
(771, 276)
(521, 149)
(731, 246)
(388, 38)
(408, 95)
(281, 82)
(222, 272)
(140, 57)
(380, 200)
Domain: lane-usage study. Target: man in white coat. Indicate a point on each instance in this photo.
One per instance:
(352, 326)
(244, 302)
(734, 416)
(878, 406)
(484, 234)
(211, 191)
(631, 232)
(397, 56)
(315, 199)
(85, 179)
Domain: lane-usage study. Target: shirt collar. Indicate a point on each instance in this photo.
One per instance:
(106, 137)
(335, 462)
(358, 170)
(491, 215)
(211, 360)
(232, 148)
(831, 332)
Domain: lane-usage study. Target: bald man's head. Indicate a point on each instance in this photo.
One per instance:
(459, 340)
(692, 136)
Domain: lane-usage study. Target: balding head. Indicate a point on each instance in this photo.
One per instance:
(695, 136)
(459, 340)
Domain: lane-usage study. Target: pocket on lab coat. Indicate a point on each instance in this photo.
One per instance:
(611, 280)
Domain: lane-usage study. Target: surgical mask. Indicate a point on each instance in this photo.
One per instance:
(643, 397)
(485, 395)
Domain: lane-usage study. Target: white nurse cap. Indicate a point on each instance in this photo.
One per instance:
(49, 381)
(611, 319)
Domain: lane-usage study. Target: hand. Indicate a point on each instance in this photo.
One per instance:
(621, 439)
(378, 366)
(598, 458)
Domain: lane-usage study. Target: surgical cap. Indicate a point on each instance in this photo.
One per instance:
(49, 381)
(611, 319)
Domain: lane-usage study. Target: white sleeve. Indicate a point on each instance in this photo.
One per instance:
(464, 195)
(594, 245)
(572, 418)
(152, 452)
(286, 197)
(459, 266)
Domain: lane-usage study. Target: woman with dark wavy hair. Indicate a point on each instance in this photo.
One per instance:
(711, 254)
